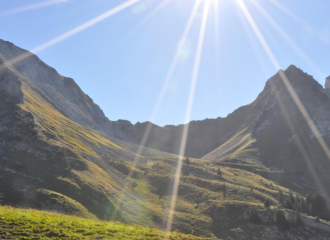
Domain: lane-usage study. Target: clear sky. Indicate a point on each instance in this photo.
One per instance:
(122, 61)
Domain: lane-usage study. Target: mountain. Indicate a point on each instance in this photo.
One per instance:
(284, 136)
(52, 148)
(59, 152)
(269, 133)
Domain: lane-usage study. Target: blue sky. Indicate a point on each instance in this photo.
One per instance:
(122, 64)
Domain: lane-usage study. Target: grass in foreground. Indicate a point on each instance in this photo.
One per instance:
(33, 224)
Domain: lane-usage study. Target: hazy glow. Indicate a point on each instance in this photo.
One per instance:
(74, 31)
(166, 83)
(187, 118)
(31, 7)
(182, 52)
(300, 144)
(168, 77)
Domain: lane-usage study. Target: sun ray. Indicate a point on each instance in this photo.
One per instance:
(31, 7)
(177, 175)
(169, 76)
(255, 45)
(299, 143)
(165, 86)
(287, 38)
(150, 15)
(285, 80)
(289, 13)
(217, 36)
(74, 31)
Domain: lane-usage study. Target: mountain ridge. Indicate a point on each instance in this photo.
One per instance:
(124, 130)
(57, 157)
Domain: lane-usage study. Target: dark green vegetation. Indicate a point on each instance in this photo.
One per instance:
(315, 204)
(31, 224)
(59, 152)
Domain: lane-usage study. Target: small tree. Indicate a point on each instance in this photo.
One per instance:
(281, 197)
(267, 203)
(186, 171)
(187, 161)
(219, 172)
(161, 189)
(224, 191)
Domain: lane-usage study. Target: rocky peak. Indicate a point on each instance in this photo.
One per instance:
(292, 68)
(303, 83)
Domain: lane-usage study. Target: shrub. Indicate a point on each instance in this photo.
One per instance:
(281, 197)
(317, 204)
(267, 203)
(219, 172)
(317, 219)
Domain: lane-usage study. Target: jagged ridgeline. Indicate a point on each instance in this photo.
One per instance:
(59, 152)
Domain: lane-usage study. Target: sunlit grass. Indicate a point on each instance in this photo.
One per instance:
(27, 224)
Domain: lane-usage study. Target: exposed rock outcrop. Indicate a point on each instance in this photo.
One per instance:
(10, 88)
(327, 83)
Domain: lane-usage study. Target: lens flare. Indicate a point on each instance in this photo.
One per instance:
(287, 38)
(141, 24)
(140, 7)
(285, 80)
(185, 47)
(163, 90)
(177, 175)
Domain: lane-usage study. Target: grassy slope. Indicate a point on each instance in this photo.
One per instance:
(95, 188)
(109, 162)
(27, 224)
(238, 151)
(239, 142)
(142, 205)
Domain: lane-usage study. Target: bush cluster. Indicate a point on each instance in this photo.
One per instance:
(315, 204)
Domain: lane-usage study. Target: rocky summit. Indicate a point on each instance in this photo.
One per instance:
(262, 172)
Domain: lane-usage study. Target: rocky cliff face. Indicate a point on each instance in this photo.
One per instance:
(60, 91)
(281, 136)
(10, 88)
(48, 145)
(57, 152)
(327, 83)
(69, 99)
(206, 135)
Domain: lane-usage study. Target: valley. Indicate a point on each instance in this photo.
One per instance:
(60, 153)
